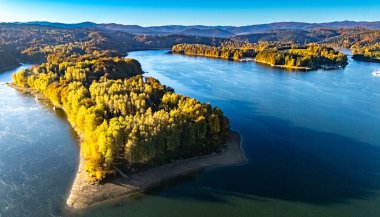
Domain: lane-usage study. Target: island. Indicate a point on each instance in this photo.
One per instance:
(135, 132)
(367, 53)
(280, 55)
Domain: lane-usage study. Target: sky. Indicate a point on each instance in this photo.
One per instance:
(177, 12)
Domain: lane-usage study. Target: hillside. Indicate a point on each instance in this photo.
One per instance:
(214, 31)
(60, 25)
(295, 36)
(357, 37)
(302, 26)
(31, 42)
(126, 28)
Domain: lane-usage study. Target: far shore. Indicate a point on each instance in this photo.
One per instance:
(363, 58)
(300, 68)
(84, 194)
(303, 68)
(251, 59)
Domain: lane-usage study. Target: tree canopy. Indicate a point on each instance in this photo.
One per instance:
(311, 56)
(123, 116)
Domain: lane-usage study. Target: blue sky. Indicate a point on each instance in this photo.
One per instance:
(164, 12)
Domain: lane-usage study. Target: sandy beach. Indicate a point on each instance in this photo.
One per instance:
(84, 194)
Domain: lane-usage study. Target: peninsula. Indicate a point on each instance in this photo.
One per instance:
(135, 132)
(279, 55)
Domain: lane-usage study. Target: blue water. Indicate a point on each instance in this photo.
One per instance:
(38, 155)
(312, 140)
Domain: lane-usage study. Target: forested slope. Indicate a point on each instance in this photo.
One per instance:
(29, 43)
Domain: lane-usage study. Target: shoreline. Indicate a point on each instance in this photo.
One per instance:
(302, 68)
(245, 60)
(83, 194)
(209, 57)
(362, 58)
(284, 67)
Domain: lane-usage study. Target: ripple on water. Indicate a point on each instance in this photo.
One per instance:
(19, 109)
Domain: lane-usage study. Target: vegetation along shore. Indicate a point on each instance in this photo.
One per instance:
(132, 127)
(125, 120)
(309, 57)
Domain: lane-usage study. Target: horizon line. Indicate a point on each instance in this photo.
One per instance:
(58, 22)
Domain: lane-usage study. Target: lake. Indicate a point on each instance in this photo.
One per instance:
(312, 140)
(38, 156)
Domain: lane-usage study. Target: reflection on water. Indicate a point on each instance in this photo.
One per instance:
(311, 138)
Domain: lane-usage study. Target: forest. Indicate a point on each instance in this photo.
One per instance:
(122, 117)
(354, 37)
(369, 53)
(231, 50)
(312, 56)
(27, 42)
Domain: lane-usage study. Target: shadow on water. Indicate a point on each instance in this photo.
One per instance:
(290, 163)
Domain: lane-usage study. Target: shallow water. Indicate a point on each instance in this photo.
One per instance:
(38, 155)
(312, 140)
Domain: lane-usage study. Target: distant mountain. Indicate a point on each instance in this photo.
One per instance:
(126, 28)
(267, 27)
(358, 36)
(168, 29)
(180, 28)
(61, 25)
(214, 32)
(351, 24)
(301, 26)
(292, 35)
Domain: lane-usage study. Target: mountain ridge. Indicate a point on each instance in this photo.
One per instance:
(210, 31)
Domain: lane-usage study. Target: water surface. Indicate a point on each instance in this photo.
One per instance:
(38, 155)
(312, 140)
